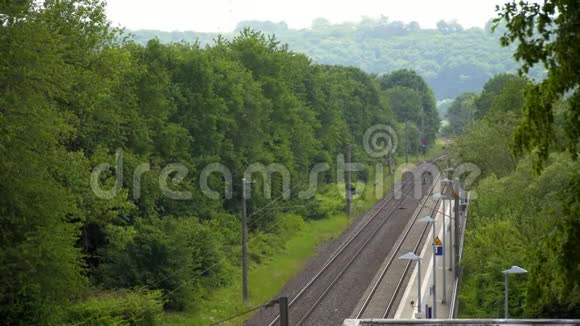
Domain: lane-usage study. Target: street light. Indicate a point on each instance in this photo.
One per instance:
(513, 270)
(429, 219)
(438, 196)
(412, 256)
(451, 223)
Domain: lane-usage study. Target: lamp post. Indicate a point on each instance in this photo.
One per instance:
(429, 219)
(513, 270)
(446, 181)
(412, 256)
(438, 196)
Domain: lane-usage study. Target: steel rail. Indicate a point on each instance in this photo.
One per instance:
(391, 259)
(349, 263)
(343, 247)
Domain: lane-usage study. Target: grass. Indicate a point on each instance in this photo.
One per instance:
(267, 279)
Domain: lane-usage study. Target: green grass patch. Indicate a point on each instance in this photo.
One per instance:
(265, 280)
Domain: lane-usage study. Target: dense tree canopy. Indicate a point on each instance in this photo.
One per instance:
(74, 95)
(533, 216)
(450, 58)
(412, 101)
(460, 113)
(546, 34)
(144, 235)
(518, 217)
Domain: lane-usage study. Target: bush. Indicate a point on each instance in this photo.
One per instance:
(327, 202)
(266, 243)
(183, 257)
(122, 307)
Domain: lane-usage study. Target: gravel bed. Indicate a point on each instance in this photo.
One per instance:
(344, 296)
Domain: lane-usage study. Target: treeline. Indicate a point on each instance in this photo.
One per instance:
(517, 217)
(75, 95)
(525, 138)
(452, 59)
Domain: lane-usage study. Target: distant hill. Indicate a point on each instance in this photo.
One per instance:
(452, 59)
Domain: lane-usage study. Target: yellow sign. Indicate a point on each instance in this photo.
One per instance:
(438, 242)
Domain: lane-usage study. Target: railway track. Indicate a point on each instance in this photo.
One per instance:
(386, 290)
(309, 298)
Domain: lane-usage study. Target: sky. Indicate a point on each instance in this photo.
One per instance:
(223, 15)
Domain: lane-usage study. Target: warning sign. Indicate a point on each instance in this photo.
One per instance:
(438, 247)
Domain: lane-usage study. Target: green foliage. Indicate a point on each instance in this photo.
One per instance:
(492, 248)
(520, 217)
(412, 101)
(545, 34)
(505, 92)
(556, 268)
(530, 221)
(453, 60)
(170, 255)
(460, 114)
(40, 214)
(75, 95)
(328, 203)
(492, 121)
(120, 307)
(406, 104)
(265, 279)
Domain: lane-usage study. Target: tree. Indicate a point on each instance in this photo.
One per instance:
(406, 104)
(555, 281)
(76, 95)
(461, 112)
(41, 268)
(548, 34)
(461, 60)
(497, 89)
(427, 119)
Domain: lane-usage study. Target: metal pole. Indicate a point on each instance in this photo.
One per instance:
(244, 245)
(422, 133)
(506, 297)
(407, 142)
(283, 305)
(389, 163)
(348, 182)
(457, 216)
(451, 230)
(444, 295)
(434, 275)
(419, 287)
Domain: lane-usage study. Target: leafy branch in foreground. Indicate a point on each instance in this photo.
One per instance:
(548, 34)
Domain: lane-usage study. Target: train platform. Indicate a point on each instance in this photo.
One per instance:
(406, 303)
(408, 307)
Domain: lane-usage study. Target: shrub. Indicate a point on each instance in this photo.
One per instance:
(121, 307)
(181, 256)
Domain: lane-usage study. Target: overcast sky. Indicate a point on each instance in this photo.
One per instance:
(223, 15)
